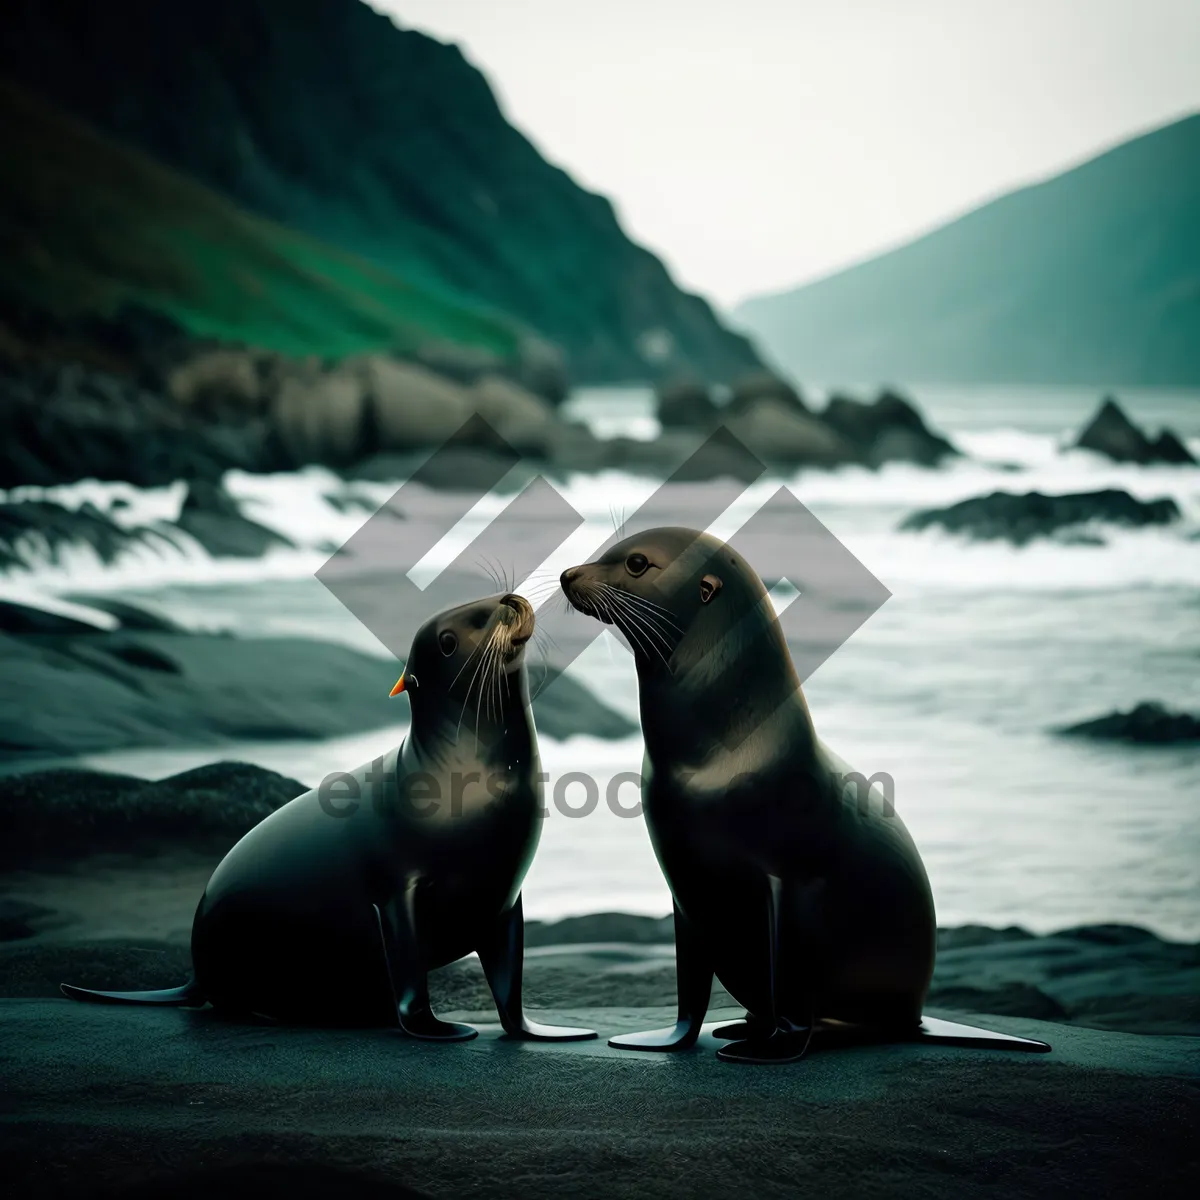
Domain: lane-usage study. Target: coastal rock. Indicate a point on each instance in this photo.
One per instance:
(783, 433)
(62, 815)
(685, 457)
(59, 424)
(211, 515)
(525, 421)
(1149, 723)
(147, 688)
(34, 531)
(323, 418)
(1021, 518)
(217, 380)
(541, 367)
(1168, 448)
(889, 430)
(686, 403)
(1111, 433)
(413, 407)
(759, 386)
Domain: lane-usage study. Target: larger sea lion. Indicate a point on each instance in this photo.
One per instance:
(334, 908)
(811, 907)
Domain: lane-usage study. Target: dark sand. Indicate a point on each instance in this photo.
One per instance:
(98, 1099)
(104, 1101)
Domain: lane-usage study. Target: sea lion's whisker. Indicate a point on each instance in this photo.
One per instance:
(626, 599)
(621, 620)
(663, 614)
(483, 645)
(641, 619)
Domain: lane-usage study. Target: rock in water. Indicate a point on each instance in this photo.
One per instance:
(779, 432)
(1111, 433)
(759, 386)
(211, 515)
(31, 529)
(1020, 519)
(685, 402)
(890, 430)
(1149, 723)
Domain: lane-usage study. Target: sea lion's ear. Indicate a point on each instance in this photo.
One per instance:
(710, 585)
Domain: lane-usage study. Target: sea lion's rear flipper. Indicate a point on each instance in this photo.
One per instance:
(694, 978)
(408, 973)
(950, 1033)
(502, 956)
(188, 995)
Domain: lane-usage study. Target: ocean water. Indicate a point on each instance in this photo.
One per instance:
(953, 687)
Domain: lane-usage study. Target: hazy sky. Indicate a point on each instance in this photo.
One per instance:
(755, 144)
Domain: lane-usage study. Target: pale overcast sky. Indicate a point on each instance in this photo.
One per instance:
(755, 144)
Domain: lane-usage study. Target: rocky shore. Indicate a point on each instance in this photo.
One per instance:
(1020, 519)
(140, 680)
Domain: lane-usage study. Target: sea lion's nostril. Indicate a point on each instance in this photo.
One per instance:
(570, 575)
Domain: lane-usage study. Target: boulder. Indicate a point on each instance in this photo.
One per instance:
(1111, 433)
(686, 403)
(462, 364)
(1148, 723)
(782, 433)
(522, 419)
(64, 423)
(1021, 518)
(211, 515)
(322, 418)
(685, 457)
(889, 430)
(541, 367)
(50, 816)
(749, 390)
(412, 407)
(217, 380)
(1168, 448)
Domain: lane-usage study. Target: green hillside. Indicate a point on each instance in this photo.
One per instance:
(323, 116)
(87, 225)
(1090, 278)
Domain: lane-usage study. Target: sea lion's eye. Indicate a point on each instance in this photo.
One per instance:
(710, 585)
(448, 643)
(636, 564)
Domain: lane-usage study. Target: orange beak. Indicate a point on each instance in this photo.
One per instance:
(398, 688)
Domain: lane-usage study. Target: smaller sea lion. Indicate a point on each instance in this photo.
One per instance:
(334, 909)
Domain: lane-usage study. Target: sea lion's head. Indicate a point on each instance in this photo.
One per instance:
(674, 593)
(470, 653)
(711, 658)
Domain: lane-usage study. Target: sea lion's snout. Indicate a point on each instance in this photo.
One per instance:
(521, 621)
(578, 588)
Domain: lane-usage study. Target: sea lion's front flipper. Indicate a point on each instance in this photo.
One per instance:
(502, 954)
(950, 1033)
(772, 1037)
(410, 981)
(694, 976)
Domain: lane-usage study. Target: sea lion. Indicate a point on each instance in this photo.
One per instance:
(334, 908)
(811, 907)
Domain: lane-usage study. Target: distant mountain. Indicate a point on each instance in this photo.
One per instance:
(90, 228)
(323, 116)
(1090, 278)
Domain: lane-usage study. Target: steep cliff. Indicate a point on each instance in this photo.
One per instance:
(323, 116)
